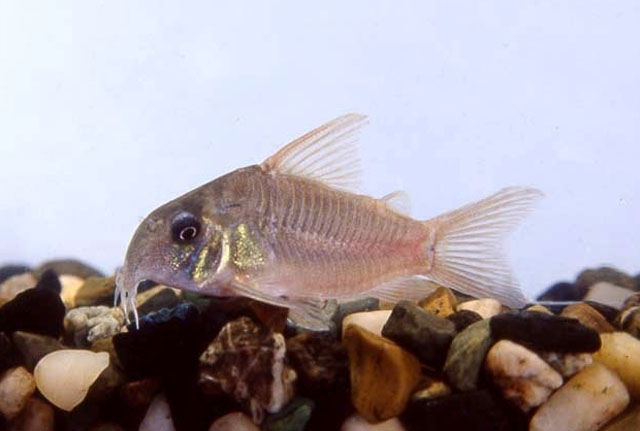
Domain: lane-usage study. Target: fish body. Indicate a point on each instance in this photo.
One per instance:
(291, 232)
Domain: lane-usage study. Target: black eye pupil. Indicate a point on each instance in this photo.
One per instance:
(185, 228)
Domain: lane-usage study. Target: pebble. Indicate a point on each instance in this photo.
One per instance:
(84, 325)
(466, 355)
(155, 299)
(358, 423)
(628, 421)
(464, 318)
(382, 374)
(545, 332)
(35, 310)
(586, 402)
(476, 410)
(235, 421)
(567, 364)
(354, 306)
(522, 376)
(372, 321)
(629, 321)
(69, 266)
(431, 388)
(631, 301)
(620, 352)
(248, 362)
(589, 277)
(96, 291)
(8, 355)
(608, 294)
(610, 313)
(70, 286)
(539, 308)
(319, 360)
(16, 387)
(588, 316)
(563, 291)
(65, 376)
(33, 347)
(486, 307)
(36, 415)
(424, 334)
(49, 280)
(293, 417)
(139, 393)
(8, 271)
(16, 284)
(158, 416)
(442, 302)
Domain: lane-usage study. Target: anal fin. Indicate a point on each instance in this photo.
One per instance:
(410, 288)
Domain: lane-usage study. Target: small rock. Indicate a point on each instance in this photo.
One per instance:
(70, 286)
(589, 277)
(35, 416)
(49, 280)
(65, 376)
(608, 294)
(158, 417)
(464, 318)
(155, 299)
(431, 389)
(524, 378)
(545, 332)
(106, 345)
(68, 266)
(293, 417)
(567, 364)
(358, 423)
(486, 307)
(620, 352)
(610, 313)
(372, 321)
(16, 284)
(248, 362)
(629, 321)
(466, 355)
(539, 308)
(627, 421)
(16, 387)
(442, 302)
(477, 411)
(96, 291)
(355, 306)
(586, 402)
(563, 291)
(424, 334)
(383, 375)
(235, 421)
(631, 301)
(35, 310)
(589, 317)
(33, 347)
(219, 311)
(8, 271)
(84, 325)
(319, 360)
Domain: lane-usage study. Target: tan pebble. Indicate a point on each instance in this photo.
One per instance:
(358, 423)
(621, 353)
(37, 415)
(524, 378)
(586, 402)
(16, 387)
(70, 286)
(383, 375)
(430, 389)
(372, 321)
(442, 302)
(487, 307)
(158, 416)
(16, 284)
(235, 421)
(588, 316)
(539, 308)
(629, 321)
(629, 420)
(65, 376)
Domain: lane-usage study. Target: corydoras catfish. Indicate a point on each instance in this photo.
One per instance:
(290, 232)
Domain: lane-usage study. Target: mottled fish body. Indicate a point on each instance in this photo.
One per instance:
(290, 232)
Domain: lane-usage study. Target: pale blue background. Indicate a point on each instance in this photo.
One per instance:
(110, 108)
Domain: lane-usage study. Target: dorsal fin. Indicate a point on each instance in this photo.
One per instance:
(398, 201)
(327, 154)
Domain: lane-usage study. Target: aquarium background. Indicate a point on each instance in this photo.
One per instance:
(109, 109)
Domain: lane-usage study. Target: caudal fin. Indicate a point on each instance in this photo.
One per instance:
(465, 249)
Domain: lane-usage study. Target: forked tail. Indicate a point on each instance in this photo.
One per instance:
(465, 249)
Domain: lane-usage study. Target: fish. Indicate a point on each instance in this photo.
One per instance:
(293, 231)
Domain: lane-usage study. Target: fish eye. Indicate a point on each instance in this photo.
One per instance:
(185, 228)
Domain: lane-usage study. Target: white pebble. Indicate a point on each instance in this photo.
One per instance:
(487, 307)
(158, 416)
(16, 387)
(372, 321)
(235, 421)
(358, 423)
(65, 376)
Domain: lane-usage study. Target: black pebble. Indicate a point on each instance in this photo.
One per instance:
(40, 311)
(476, 410)
(542, 331)
(9, 271)
(563, 291)
(49, 280)
(463, 318)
